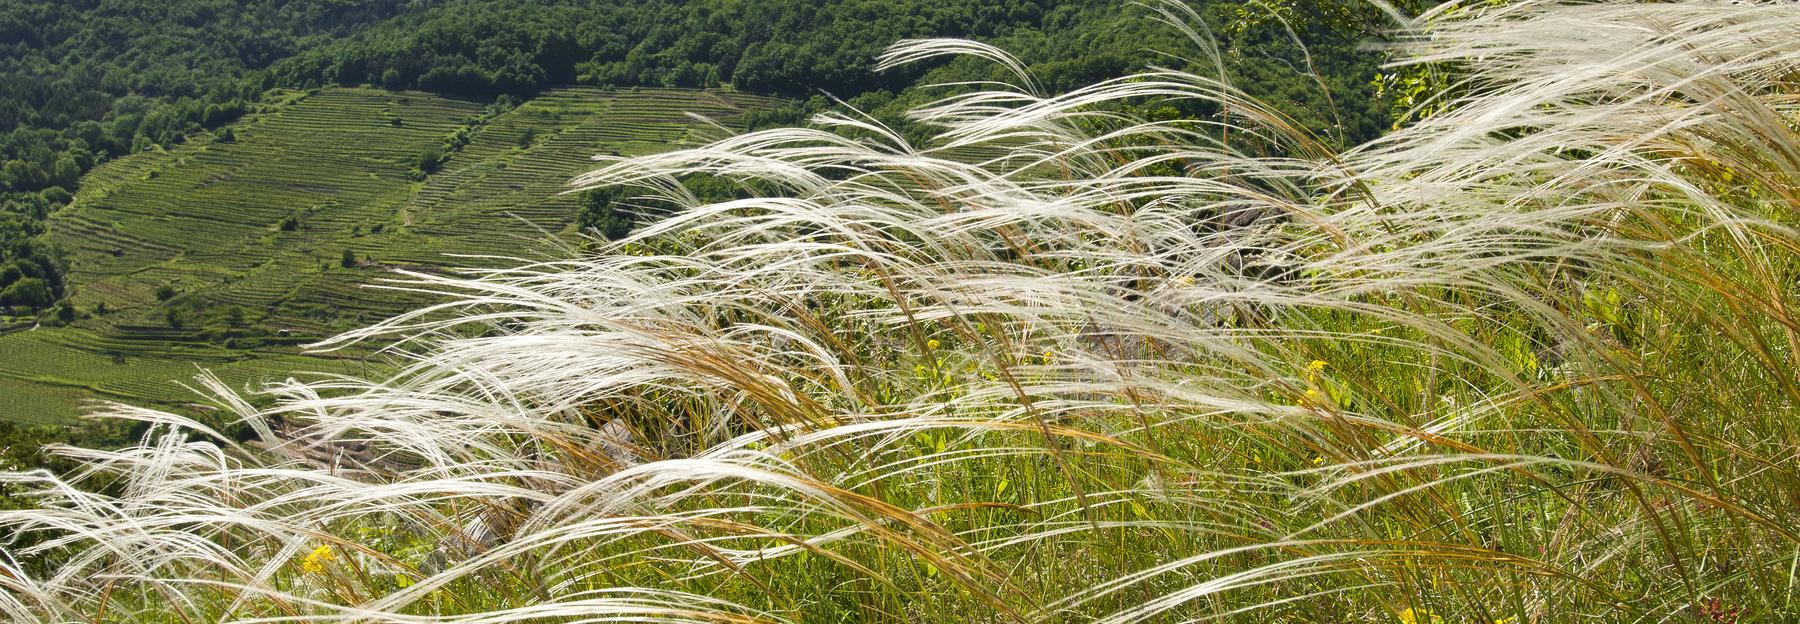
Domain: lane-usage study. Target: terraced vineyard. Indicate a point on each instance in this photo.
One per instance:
(227, 255)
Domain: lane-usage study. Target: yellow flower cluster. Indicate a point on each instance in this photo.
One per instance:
(1313, 369)
(317, 560)
(1425, 616)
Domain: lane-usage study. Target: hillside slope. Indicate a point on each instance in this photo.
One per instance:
(227, 253)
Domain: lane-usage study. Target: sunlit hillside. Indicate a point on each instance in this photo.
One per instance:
(228, 252)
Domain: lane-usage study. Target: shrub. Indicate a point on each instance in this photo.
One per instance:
(429, 159)
(57, 196)
(598, 215)
(30, 292)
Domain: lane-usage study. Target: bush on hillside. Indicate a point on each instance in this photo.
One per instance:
(599, 216)
(429, 159)
(29, 292)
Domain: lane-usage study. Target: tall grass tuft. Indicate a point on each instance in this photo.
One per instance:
(1530, 359)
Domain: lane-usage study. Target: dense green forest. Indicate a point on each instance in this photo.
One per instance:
(82, 82)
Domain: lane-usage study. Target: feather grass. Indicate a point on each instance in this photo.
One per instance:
(1531, 359)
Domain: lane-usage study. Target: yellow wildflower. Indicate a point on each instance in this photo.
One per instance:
(1419, 616)
(1315, 366)
(1318, 460)
(932, 344)
(317, 560)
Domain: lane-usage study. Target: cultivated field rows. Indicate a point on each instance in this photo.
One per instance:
(245, 238)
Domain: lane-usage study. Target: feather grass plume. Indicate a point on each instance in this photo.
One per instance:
(1532, 359)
